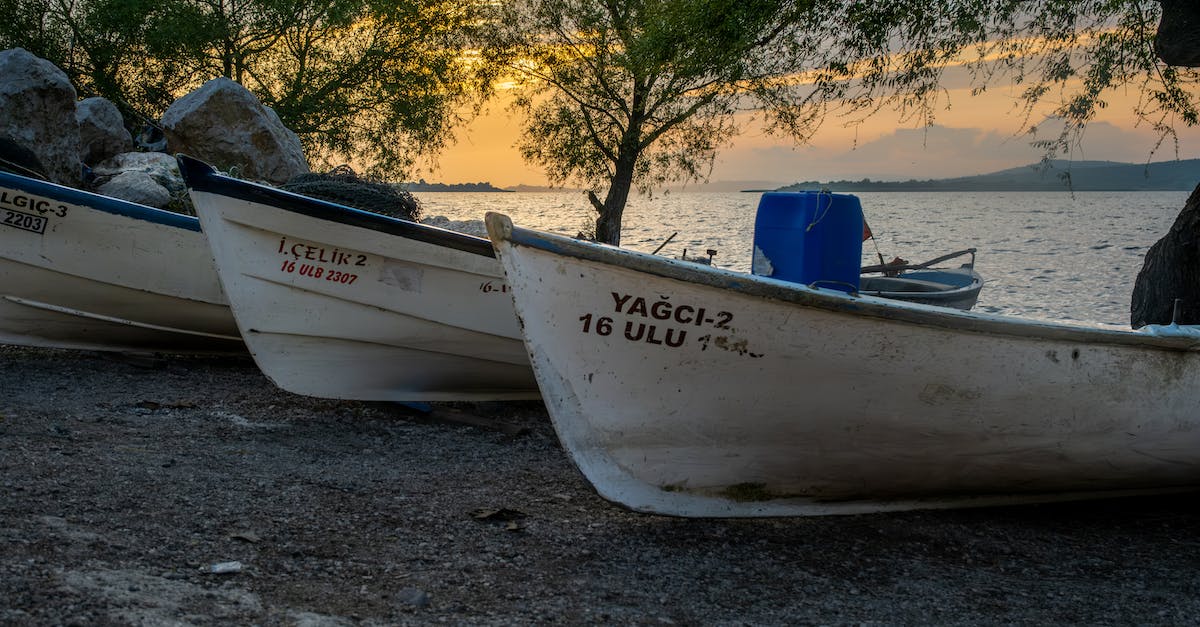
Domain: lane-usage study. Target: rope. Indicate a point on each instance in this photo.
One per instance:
(17, 168)
(822, 215)
(874, 242)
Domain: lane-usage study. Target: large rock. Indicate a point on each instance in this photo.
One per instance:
(470, 227)
(136, 187)
(102, 132)
(1171, 271)
(37, 111)
(159, 166)
(224, 124)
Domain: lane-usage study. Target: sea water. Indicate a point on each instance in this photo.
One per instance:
(1046, 255)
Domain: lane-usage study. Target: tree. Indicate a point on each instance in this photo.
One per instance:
(620, 95)
(97, 43)
(1070, 53)
(373, 81)
(637, 93)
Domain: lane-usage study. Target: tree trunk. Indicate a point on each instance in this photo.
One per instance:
(1177, 41)
(608, 223)
(1171, 270)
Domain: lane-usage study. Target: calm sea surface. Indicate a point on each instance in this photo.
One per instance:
(1050, 255)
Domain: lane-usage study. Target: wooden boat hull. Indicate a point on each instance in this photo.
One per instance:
(339, 303)
(85, 271)
(690, 391)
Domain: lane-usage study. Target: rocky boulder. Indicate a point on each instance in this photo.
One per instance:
(470, 227)
(149, 178)
(102, 132)
(37, 111)
(226, 125)
(136, 186)
(157, 165)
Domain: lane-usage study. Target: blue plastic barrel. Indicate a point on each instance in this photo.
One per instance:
(814, 238)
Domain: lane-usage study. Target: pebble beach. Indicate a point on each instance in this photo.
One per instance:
(173, 490)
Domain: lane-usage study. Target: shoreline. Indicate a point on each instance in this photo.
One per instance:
(126, 480)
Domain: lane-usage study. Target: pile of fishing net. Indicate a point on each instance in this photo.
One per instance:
(344, 186)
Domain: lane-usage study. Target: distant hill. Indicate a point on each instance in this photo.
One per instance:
(726, 186)
(422, 186)
(539, 188)
(1079, 176)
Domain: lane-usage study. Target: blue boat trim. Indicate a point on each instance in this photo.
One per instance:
(99, 202)
(202, 177)
(830, 300)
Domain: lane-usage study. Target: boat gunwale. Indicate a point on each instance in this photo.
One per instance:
(500, 227)
(128, 322)
(98, 202)
(202, 177)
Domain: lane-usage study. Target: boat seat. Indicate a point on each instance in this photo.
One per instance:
(901, 284)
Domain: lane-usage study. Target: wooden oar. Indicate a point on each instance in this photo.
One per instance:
(915, 266)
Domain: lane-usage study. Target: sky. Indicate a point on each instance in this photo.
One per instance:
(975, 135)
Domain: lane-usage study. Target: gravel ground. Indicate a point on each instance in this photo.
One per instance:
(125, 481)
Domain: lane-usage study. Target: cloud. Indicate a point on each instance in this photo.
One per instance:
(939, 152)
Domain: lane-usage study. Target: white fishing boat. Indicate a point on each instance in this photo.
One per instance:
(340, 303)
(694, 391)
(85, 271)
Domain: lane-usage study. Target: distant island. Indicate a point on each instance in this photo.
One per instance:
(422, 186)
(1060, 175)
(540, 188)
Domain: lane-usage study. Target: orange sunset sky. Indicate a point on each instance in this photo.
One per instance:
(975, 135)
